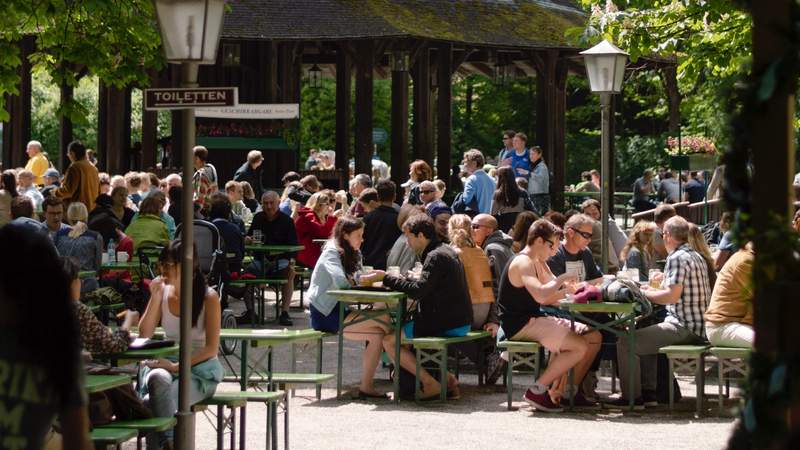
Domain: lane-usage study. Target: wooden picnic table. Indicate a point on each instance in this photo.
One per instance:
(394, 301)
(626, 315)
(99, 383)
(269, 339)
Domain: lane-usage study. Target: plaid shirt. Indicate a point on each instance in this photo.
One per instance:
(688, 268)
(202, 187)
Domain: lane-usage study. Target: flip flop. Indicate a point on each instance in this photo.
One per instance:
(366, 395)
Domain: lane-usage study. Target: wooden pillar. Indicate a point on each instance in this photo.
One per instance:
(399, 153)
(775, 303)
(102, 119)
(364, 82)
(343, 109)
(17, 131)
(65, 134)
(117, 144)
(444, 110)
(150, 128)
(551, 119)
(291, 70)
(423, 123)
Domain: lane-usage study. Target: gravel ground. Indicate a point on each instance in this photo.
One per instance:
(478, 420)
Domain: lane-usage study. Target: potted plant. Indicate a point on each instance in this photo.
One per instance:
(692, 153)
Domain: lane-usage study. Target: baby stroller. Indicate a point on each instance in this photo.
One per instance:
(212, 261)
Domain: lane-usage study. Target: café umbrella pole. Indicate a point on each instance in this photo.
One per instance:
(184, 436)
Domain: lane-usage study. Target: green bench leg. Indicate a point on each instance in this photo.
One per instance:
(443, 374)
(220, 426)
(294, 361)
(242, 427)
(510, 377)
(416, 374)
(700, 381)
(671, 386)
(319, 367)
(720, 372)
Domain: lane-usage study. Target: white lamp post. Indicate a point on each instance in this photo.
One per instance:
(190, 31)
(605, 66)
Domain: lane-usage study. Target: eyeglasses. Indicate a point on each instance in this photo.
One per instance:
(427, 191)
(475, 226)
(551, 244)
(583, 234)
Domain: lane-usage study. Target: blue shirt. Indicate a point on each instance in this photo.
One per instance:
(521, 164)
(479, 186)
(328, 274)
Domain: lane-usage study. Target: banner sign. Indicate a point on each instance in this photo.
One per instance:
(252, 111)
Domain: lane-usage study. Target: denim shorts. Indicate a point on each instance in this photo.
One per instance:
(408, 330)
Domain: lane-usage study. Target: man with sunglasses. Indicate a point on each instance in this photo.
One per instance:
(508, 147)
(574, 256)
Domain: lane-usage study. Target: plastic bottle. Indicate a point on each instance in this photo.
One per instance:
(112, 251)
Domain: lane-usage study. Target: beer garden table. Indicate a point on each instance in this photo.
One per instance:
(395, 301)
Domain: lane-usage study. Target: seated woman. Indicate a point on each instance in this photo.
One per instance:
(401, 255)
(314, 221)
(528, 283)
(519, 232)
(159, 378)
(147, 229)
(729, 317)
(119, 205)
(96, 338)
(166, 218)
(81, 243)
(638, 252)
(337, 268)
(508, 199)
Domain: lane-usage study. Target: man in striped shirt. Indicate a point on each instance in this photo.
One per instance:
(685, 289)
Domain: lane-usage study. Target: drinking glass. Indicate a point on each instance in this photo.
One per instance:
(654, 278)
(257, 236)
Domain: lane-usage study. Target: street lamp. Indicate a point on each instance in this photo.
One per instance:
(605, 66)
(400, 61)
(190, 31)
(315, 77)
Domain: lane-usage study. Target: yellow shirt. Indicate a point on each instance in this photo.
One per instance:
(732, 298)
(38, 165)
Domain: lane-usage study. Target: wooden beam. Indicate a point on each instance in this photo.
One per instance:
(343, 109)
(526, 67)
(444, 110)
(422, 114)
(17, 132)
(460, 59)
(478, 68)
(551, 120)
(364, 96)
(399, 152)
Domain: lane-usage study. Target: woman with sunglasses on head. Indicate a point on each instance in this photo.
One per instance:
(528, 283)
(159, 378)
(315, 220)
(638, 252)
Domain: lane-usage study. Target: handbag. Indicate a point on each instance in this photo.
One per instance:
(461, 207)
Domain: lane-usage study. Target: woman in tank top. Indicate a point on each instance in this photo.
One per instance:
(528, 283)
(159, 378)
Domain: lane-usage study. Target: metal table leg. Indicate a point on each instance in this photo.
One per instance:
(341, 351)
(631, 360)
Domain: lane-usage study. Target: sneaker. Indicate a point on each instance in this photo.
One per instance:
(285, 320)
(494, 368)
(622, 403)
(581, 401)
(541, 402)
(649, 398)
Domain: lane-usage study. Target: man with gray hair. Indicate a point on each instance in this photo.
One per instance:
(357, 185)
(37, 163)
(685, 289)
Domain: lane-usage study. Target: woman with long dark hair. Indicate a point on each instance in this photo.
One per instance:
(46, 353)
(339, 267)
(519, 232)
(508, 200)
(159, 377)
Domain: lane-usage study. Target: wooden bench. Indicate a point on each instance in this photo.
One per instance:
(434, 350)
(221, 401)
(521, 354)
(688, 357)
(143, 427)
(105, 437)
(729, 360)
(276, 284)
(270, 398)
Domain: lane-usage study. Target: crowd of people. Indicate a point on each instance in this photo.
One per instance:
(489, 259)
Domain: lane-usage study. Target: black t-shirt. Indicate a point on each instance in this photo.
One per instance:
(562, 259)
(695, 191)
(278, 231)
(380, 233)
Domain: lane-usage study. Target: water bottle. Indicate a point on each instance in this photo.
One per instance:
(112, 251)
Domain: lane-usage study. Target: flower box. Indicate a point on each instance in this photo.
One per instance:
(693, 161)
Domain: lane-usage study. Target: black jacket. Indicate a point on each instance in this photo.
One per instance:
(298, 194)
(252, 176)
(103, 221)
(441, 292)
(498, 249)
(380, 233)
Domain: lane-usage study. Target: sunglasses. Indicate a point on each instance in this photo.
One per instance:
(426, 192)
(475, 226)
(583, 234)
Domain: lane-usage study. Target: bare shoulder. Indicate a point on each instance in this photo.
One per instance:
(211, 295)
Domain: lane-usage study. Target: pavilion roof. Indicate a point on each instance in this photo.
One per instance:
(500, 23)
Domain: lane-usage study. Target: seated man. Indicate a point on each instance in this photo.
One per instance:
(574, 256)
(232, 236)
(662, 214)
(443, 307)
(358, 185)
(367, 201)
(276, 229)
(616, 238)
(236, 195)
(440, 214)
(53, 217)
(22, 214)
(729, 317)
(380, 227)
(685, 289)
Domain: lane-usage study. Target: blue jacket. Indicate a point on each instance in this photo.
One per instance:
(479, 186)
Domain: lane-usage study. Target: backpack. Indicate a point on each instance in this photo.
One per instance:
(627, 291)
(478, 274)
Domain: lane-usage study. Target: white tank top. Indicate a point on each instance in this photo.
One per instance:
(172, 323)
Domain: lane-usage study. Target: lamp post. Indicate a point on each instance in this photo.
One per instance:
(315, 77)
(190, 31)
(605, 66)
